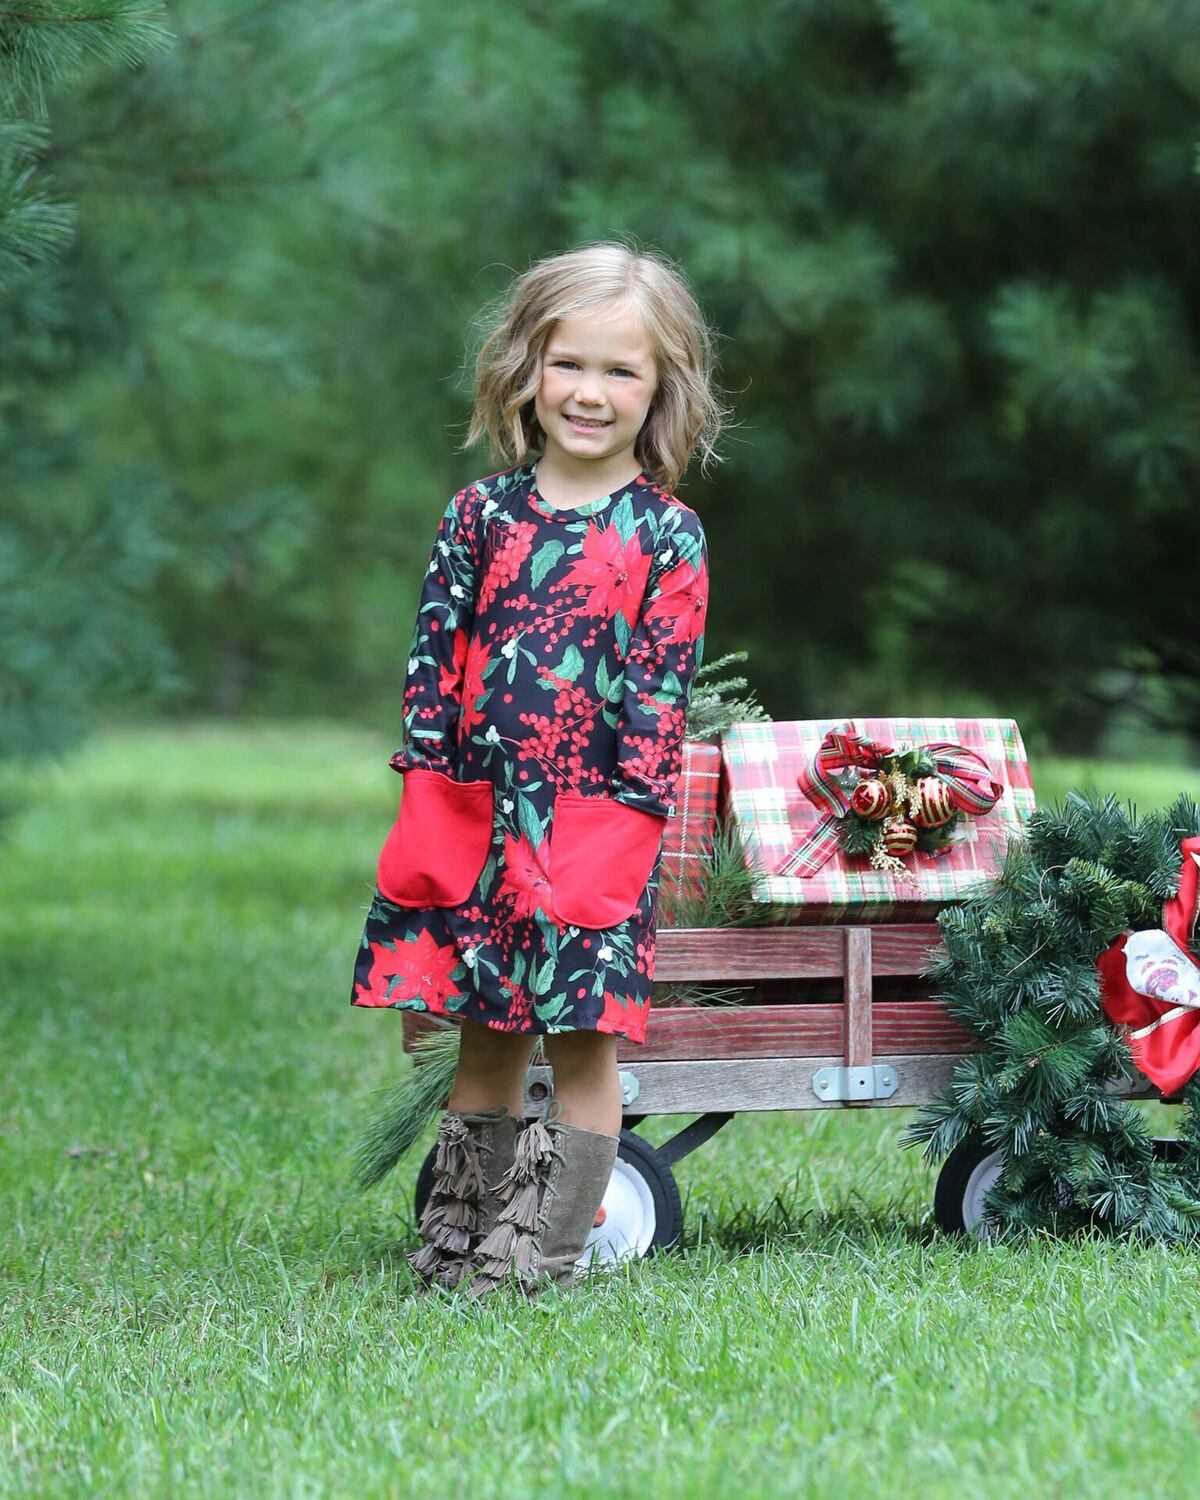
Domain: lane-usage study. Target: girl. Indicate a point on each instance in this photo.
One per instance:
(560, 627)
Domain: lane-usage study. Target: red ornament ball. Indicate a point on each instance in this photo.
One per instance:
(871, 800)
(899, 837)
(935, 805)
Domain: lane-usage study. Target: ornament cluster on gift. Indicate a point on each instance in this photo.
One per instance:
(830, 812)
(900, 801)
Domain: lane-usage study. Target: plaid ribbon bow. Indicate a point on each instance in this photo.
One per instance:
(972, 789)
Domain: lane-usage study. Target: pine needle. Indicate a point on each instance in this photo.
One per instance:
(407, 1108)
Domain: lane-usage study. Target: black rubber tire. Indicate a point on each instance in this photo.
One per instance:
(949, 1197)
(638, 1156)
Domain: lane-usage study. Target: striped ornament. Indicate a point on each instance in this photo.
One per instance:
(935, 803)
(899, 837)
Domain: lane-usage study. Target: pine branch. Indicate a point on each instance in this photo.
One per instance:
(44, 45)
(407, 1107)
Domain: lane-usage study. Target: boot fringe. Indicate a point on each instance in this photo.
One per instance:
(499, 1244)
(452, 1212)
(511, 1251)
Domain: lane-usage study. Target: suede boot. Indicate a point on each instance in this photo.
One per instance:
(547, 1203)
(473, 1151)
(497, 1149)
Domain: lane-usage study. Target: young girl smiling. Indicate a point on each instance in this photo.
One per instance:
(560, 628)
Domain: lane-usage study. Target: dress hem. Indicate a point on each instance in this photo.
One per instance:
(421, 1007)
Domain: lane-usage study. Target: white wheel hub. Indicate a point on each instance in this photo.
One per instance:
(629, 1220)
(979, 1183)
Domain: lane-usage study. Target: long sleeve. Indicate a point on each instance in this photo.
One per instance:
(666, 651)
(437, 657)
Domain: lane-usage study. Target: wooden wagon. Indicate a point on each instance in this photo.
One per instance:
(839, 1019)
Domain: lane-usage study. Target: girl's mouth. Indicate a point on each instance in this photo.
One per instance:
(588, 426)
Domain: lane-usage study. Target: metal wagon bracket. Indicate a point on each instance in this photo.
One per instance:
(878, 1082)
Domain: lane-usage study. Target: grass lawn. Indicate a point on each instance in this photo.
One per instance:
(193, 1303)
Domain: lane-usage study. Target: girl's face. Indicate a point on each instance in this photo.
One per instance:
(598, 380)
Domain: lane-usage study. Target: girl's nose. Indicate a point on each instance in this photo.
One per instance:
(588, 392)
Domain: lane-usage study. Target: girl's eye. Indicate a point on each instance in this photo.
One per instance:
(620, 371)
(565, 364)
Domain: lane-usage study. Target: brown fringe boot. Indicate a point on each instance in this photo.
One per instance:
(474, 1150)
(547, 1205)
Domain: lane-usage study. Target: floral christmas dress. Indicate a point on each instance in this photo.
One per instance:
(544, 710)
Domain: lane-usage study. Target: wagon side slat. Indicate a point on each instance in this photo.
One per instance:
(733, 1085)
(735, 953)
(680, 1033)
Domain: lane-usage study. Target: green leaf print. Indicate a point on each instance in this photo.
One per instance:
(687, 547)
(571, 664)
(541, 979)
(528, 821)
(518, 968)
(544, 559)
(623, 631)
(551, 1009)
(549, 934)
(623, 517)
(610, 688)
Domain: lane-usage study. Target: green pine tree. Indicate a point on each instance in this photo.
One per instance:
(76, 559)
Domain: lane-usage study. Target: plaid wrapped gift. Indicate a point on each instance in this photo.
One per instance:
(760, 766)
(689, 831)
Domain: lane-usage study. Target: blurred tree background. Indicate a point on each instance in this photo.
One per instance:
(951, 246)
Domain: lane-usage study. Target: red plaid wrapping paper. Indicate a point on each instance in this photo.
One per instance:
(760, 763)
(690, 830)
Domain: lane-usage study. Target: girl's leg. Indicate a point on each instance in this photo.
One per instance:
(491, 1069)
(586, 1079)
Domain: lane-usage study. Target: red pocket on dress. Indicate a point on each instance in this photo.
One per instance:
(602, 854)
(439, 843)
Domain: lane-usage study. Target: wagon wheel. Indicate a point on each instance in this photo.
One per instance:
(641, 1211)
(966, 1175)
(971, 1169)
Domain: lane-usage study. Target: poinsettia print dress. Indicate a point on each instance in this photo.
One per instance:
(544, 711)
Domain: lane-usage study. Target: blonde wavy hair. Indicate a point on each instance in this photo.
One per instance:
(686, 413)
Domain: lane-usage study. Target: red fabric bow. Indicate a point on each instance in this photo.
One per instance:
(1164, 1036)
(972, 789)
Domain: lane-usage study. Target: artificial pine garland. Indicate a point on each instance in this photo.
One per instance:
(1018, 971)
(712, 706)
